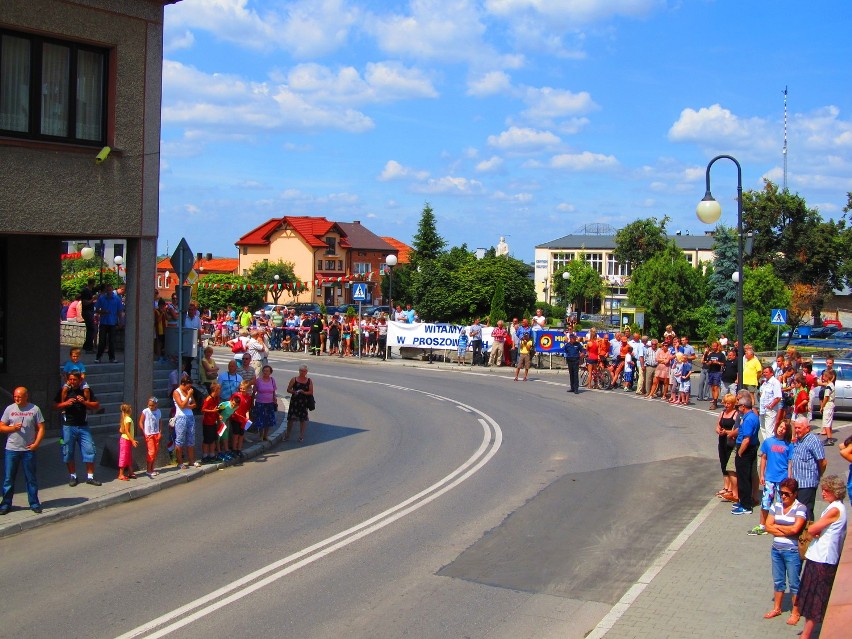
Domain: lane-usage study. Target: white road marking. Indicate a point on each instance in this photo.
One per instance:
(262, 577)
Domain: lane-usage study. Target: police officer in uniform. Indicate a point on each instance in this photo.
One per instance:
(573, 351)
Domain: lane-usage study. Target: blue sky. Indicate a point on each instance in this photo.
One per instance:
(523, 118)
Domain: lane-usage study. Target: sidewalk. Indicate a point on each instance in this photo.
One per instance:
(61, 501)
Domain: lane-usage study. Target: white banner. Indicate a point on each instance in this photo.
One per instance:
(425, 335)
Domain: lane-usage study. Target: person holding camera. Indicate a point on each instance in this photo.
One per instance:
(75, 427)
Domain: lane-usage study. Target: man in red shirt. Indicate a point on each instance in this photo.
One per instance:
(498, 340)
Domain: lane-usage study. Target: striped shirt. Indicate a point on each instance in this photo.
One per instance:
(807, 453)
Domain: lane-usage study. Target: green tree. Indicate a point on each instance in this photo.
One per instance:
(232, 289)
(428, 244)
(457, 287)
(74, 282)
(498, 304)
(583, 284)
(641, 240)
(795, 239)
(670, 290)
(763, 290)
(722, 290)
(263, 274)
(76, 265)
(402, 285)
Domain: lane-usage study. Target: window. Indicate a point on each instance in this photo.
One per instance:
(118, 250)
(595, 260)
(245, 250)
(362, 268)
(329, 265)
(331, 243)
(614, 267)
(52, 90)
(159, 280)
(339, 265)
(319, 265)
(560, 261)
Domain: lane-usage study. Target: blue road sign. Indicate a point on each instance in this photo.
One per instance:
(779, 315)
(359, 292)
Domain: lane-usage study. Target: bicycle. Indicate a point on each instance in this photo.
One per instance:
(601, 377)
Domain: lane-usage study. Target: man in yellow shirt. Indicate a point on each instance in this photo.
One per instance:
(752, 370)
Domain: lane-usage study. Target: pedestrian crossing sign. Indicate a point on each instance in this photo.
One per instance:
(359, 292)
(779, 316)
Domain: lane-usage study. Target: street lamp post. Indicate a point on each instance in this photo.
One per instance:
(276, 291)
(391, 261)
(569, 303)
(709, 211)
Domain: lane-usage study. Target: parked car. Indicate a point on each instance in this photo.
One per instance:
(378, 310)
(308, 307)
(823, 332)
(832, 322)
(842, 334)
(843, 384)
(268, 308)
(797, 334)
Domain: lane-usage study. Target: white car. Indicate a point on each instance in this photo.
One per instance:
(842, 385)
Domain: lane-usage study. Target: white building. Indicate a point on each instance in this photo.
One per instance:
(598, 250)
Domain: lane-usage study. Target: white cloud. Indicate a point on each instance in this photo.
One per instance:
(823, 130)
(449, 185)
(519, 139)
(574, 11)
(310, 97)
(395, 171)
(491, 83)
(491, 165)
(715, 128)
(315, 27)
(584, 161)
(518, 198)
(175, 40)
(307, 27)
(443, 30)
(394, 81)
(565, 207)
(548, 104)
(228, 20)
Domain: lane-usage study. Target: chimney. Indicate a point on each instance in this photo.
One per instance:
(357, 222)
(209, 257)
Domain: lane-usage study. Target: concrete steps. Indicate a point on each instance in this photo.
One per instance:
(107, 380)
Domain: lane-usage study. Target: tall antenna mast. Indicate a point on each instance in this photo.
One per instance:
(785, 139)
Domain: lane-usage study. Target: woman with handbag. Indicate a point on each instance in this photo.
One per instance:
(823, 555)
(301, 389)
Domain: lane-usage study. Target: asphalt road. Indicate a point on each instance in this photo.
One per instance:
(424, 503)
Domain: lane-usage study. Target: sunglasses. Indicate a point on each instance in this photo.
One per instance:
(784, 493)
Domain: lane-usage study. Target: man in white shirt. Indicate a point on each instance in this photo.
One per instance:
(771, 397)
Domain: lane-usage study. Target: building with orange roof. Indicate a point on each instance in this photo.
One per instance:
(403, 251)
(328, 255)
(204, 265)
